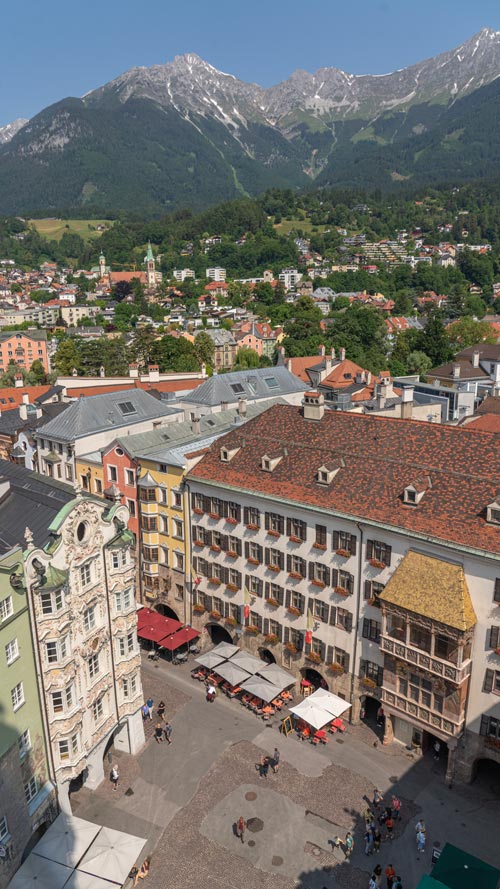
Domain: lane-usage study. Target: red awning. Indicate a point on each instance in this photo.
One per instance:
(165, 625)
(145, 616)
(187, 634)
(151, 632)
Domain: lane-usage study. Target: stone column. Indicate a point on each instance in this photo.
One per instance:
(450, 765)
(388, 730)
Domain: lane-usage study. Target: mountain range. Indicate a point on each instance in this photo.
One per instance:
(186, 134)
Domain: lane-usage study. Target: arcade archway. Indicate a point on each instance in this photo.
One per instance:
(167, 611)
(218, 634)
(267, 656)
(314, 677)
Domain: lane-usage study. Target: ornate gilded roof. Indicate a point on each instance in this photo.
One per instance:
(433, 588)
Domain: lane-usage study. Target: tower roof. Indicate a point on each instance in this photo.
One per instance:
(149, 255)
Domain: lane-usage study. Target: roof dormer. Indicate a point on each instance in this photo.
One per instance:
(493, 511)
(269, 462)
(327, 472)
(227, 454)
(415, 492)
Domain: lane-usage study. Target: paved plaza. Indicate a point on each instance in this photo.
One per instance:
(187, 797)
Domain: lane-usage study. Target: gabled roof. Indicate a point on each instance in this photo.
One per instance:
(12, 396)
(103, 412)
(249, 384)
(32, 500)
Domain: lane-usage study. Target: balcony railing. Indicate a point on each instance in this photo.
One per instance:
(427, 718)
(425, 661)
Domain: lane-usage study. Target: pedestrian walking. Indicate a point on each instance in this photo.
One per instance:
(275, 762)
(377, 839)
(211, 690)
(264, 766)
(348, 845)
(390, 875)
(420, 843)
(380, 715)
(368, 815)
(143, 871)
(161, 710)
(377, 875)
(159, 733)
(420, 826)
(168, 732)
(149, 705)
(371, 883)
(369, 842)
(145, 712)
(240, 828)
(397, 883)
(378, 798)
(114, 776)
(437, 749)
(389, 824)
(396, 807)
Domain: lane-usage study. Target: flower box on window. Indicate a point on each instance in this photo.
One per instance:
(232, 587)
(215, 548)
(336, 669)
(252, 527)
(341, 591)
(198, 608)
(370, 601)
(320, 583)
(271, 639)
(295, 612)
(343, 552)
(294, 539)
(231, 622)
(291, 648)
(368, 683)
(231, 520)
(215, 615)
(313, 657)
(296, 575)
(319, 546)
(272, 602)
(272, 533)
(376, 563)
(199, 542)
(252, 630)
(198, 510)
(253, 561)
(215, 581)
(232, 554)
(274, 568)
(214, 515)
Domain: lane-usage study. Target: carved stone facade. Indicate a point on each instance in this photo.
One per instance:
(83, 606)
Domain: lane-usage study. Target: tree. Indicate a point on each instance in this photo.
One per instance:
(174, 353)
(142, 346)
(37, 375)
(121, 290)
(303, 331)
(67, 357)
(418, 363)
(474, 305)
(9, 377)
(466, 332)
(434, 340)
(108, 353)
(204, 348)
(246, 358)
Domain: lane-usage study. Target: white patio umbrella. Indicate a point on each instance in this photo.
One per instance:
(247, 661)
(261, 688)
(67, 840)
(330, 702)
(232, 673)
(225, 649)
(79, 880)
(312, 713)
(40, 873)
(111, 855)
(209, 660)
(277, 676)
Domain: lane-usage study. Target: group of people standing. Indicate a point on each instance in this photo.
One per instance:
(163, 728)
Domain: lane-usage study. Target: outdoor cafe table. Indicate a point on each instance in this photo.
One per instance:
(320, 734)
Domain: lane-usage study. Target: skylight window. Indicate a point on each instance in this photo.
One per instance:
(127, 407)
(272, 382)
(237, 388)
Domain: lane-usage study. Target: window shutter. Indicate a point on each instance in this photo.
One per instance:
(281, 524)
(281, 595)
(289, 526)
(223, 509)
(267, 555)
(247, 549)
(288, 598)
(329, 654)
(246, 518)
(193, 501)
(224, 542)
(348, 622)
(494, 633)
(388, 553)
(362, 668)
(260, 588)
(311, 570)
(302, 600)
(346, 662)
(322, 651)
(225, 608)
(303, 567)
(225, 574)
(286, 634)
(333, 616)
(238, 547)
(335, 577)
(380, 676)
(267, 590)
(352, 546)
(485, 725)
(208, 602)
(267, 521)
(288, 562)
(327, 576)
(496, 592)
(207, 503)
(369, 549)
(265, 626)
(368, 589)
(195, 564)
(489, 676)
(300, 641)
(336, 540)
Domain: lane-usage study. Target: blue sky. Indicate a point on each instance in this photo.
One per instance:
(54, 49)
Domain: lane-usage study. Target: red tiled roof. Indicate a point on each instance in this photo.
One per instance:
(298, 366)
(162, 386)
(382, 456)
(484, 423)
(127, 276)
(12, 396)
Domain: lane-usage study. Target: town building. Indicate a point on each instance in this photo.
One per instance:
(258, 336)
(28, 799)
(216, 274)
(475, 370)
(289, 278)
(33, 314)
(379, 539)
(79, 568)
(23, 347)
(222, 391)
(225, 348)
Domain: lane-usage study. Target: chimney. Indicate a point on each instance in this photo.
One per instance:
(133, 371)
(26, 398)
(203, 369)
(242, 407)
(23, 411)
(224, 406)
(475, 358)
(196, 426)
(154, 373)
(102, 371)
(342, 354)
(456, 371)
(407, 402)
(281, 354)
(288, 363)
(313, 405)
(332, 354)
(39, 412)
(18, 380)
(321, 351)
(368, 378)
(381, 397)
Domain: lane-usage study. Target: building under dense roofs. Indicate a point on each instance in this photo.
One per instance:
(223, 391)
(79, 571)
(384, 536)
(23, 347)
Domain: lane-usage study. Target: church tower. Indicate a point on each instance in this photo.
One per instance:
(150, 267)
(102, 265)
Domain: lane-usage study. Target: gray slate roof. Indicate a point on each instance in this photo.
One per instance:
(261, 382)
(97, 413)
(32, 500)
(31, 334)
(11, 422)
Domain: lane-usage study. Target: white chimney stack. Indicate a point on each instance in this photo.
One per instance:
(18, 380)
(456, 371)
(342, 354)
(133, 371)
(475, 358)
(154, 373)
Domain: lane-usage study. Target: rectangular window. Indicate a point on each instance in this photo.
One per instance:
(131, 508)
(11, 651)
(24, 743)
(112, 474)
(149, 523)
(98, 486)
(6, 608)
(179, 561)
(98, 709)
(89, 618)
(378, 552)
(69, 472)
(255, 552)
(344, 619)
(372, 671)
(346, 581)
(177, 500)
(344, 542)
(252, 516)
(93, 663)
(320, 610)
(130, 477)
(371, 630)
(126, 644)
(86, 574)
(148, 495)
(296, 528)
(275, 523)
(233, 511)
(17, 696)
(321, 537)
(178, 529)
(255, 585)
(297, 565)
(64, 749)
(31, 789)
